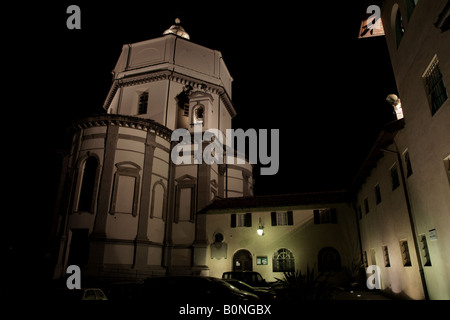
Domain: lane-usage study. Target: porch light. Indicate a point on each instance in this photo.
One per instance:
(260, 229)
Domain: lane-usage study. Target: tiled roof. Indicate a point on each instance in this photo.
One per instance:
(276, 201)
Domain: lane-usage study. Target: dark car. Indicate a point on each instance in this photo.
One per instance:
(249, 277)
(65, 294)
(192, 289)
(124, 291)
(263, 293)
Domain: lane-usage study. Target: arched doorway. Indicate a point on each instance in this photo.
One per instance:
(329, 260)
(242, 261)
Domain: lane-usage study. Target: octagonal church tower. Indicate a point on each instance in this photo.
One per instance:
(126, 210)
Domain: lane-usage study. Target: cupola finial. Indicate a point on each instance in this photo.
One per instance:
(177, 30)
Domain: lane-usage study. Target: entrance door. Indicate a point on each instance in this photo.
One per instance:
(242, 261)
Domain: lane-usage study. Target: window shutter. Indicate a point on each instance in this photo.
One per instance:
(316, 217)
(248, 220)
(273, 216)
(333, 216)
(233, 220)
(290, 218)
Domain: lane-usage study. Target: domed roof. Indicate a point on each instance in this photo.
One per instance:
(177, 30)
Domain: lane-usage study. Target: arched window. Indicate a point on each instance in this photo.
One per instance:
(198, 114)
(329, 260)
(143, 103)
(157, 209)
(410, 5)
(283, 261)
(88, 180)
(397, 24)
(242, 261)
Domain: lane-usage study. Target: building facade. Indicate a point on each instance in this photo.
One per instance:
(282, 233)
(404, 191)
(126, 211)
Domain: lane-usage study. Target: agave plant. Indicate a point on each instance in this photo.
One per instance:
(298, 286)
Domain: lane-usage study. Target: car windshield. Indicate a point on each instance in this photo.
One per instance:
(241, 285)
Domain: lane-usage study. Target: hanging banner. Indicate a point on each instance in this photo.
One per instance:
(371, 25)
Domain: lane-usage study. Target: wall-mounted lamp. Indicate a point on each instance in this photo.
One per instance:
(260, 229)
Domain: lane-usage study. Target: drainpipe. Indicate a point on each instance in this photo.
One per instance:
(411, 219)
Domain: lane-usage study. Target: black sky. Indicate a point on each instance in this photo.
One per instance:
(297, 68)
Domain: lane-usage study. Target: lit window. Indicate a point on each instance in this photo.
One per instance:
(425, 251)
(283, 261)
(284, 218)
(198, 114)
(406, 258)
(241, 220)
(434, 85)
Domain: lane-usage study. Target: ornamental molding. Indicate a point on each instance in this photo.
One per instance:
(147, 125)
(195, 83)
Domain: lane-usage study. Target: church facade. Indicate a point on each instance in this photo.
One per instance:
(127, 212)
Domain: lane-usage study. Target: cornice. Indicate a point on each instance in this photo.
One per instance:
(139, 78)
(123, 121)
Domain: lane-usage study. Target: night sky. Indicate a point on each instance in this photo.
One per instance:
(297, 68)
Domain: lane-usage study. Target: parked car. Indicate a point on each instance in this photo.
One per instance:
(252, 278)
(262, 293)
(186, 289)
(79, 294)
(124, 291)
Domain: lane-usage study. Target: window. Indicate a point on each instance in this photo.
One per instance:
(157, 207)
(399, 27)
(88, 182)
(366, 205)
(198, 114)
(283, 261)
(329, 260)
(406, 259)
(126, 188)
(424, 250)
(143, 102)
(410, 5)
(324, 216)
(377, 194)
(409, 170)
(366, 263)
(387, 262)
(186, 110)
(284, 218)
(394, 177)
(241, 220)
(434, 85)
